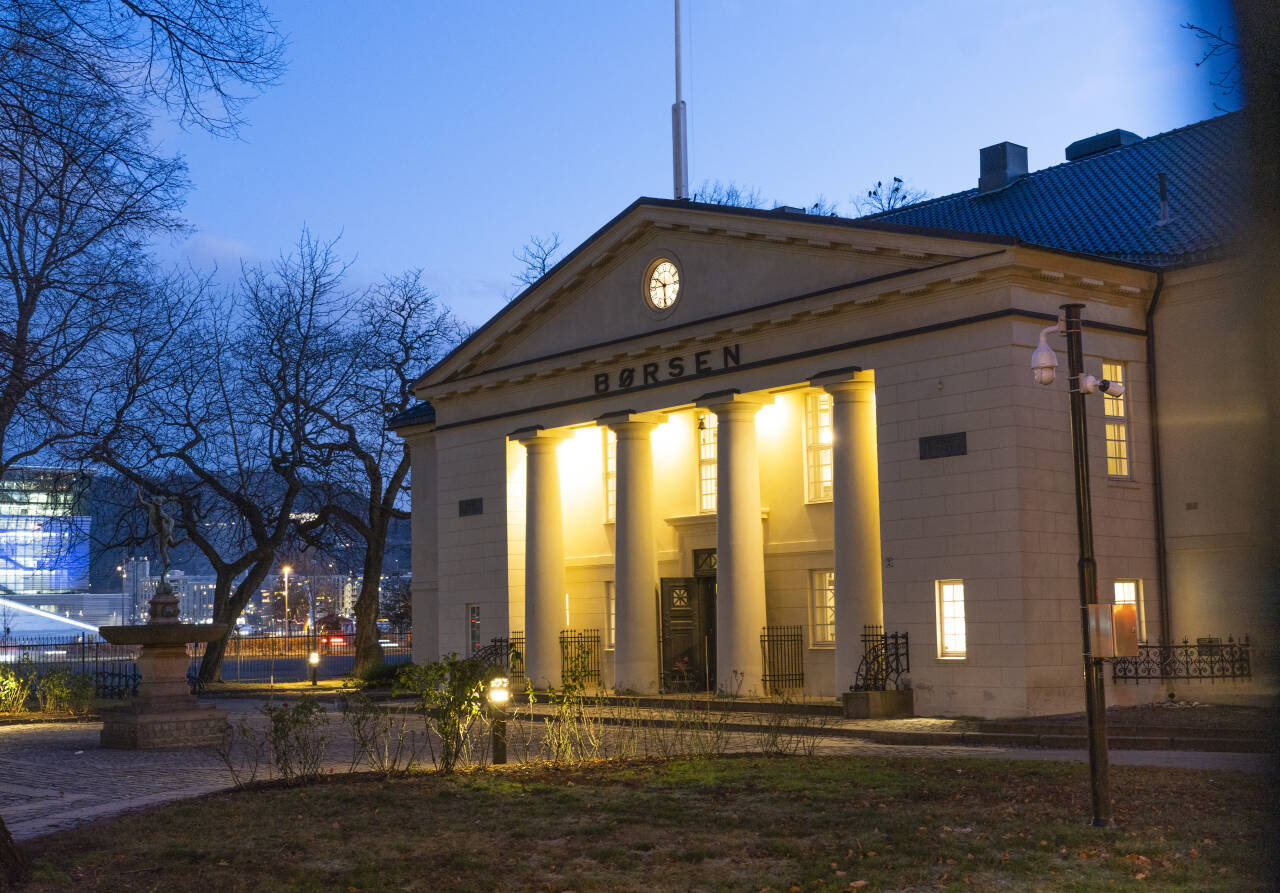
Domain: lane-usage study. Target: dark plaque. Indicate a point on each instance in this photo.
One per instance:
(470, 507)
(942, 445)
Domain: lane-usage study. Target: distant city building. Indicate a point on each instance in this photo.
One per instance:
(44, 533)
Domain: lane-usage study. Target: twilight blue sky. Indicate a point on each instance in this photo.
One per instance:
(442, 135)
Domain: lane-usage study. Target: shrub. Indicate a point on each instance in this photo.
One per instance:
(381, 674)
(450, 695)
(61, 690)
(379, 737)
(296, 738)
(15, 688)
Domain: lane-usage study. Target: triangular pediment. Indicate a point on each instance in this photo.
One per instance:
(730, 261)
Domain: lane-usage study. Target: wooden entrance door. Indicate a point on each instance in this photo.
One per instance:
(688, 634)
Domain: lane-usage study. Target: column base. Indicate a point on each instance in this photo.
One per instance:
(879, 704)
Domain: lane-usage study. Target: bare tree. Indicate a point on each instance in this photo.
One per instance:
(202, 59)
(401, 330)
(225, 443)
(536, 257)
(728, 194)
(881, 198)
(1220, 50)
(76, 212)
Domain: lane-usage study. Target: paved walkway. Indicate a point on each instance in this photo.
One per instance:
(55, 776)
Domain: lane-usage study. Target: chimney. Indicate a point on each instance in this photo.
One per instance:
(1000, 165)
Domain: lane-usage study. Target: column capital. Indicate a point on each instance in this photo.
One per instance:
(850, 380)
(535, 434)
(731, 400)
(627, 420)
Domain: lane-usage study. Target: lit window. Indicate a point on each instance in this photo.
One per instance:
(817, 447)
(473, 629)
(822, 608)
(612, 612)
(1117, 424)
(610, 475)
(951, 641)
(707, 422)
(1129, 592)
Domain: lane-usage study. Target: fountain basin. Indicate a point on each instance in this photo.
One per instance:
(164, 713)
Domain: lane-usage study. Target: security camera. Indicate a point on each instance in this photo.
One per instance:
(1044, 362)
(1091, 385)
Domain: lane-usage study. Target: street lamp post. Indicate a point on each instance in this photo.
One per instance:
(286, 570)
(1044, 365)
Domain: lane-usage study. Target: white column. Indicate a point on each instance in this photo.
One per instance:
(544, 556)
(855, 490)
(740, 597)
(636, 556)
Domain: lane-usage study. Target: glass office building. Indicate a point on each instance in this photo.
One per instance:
(44, 533)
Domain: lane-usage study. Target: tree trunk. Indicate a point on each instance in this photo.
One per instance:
(368, 651)
(227, 612)
(13, 865)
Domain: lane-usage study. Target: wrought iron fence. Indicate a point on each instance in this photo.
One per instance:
(113, 667)
(886, 660)
(1208, 658)
(580, 655)
(266, 657)
(507, 653)
(782, 657)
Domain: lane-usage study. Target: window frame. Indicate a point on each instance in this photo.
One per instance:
(707, 452)
(941, 590)
(610, 466)
(1115, 428)
(610, 615)
(818, 638)
(814, 448)
(1138, 600)
(474, 642)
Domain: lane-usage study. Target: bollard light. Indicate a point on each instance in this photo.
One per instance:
(499, 691)
(314, 660)
(499, 694)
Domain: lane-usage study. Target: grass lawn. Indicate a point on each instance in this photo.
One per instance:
(740, 823)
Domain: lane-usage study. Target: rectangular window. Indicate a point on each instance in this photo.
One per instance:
(707, 422)
(1115, 409)
(951, 640)
(822, 608)
(817, 447)
(611, 612)
(473, 629)
(1129, 592)
(610, 475)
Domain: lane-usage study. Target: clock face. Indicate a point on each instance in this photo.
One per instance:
(664, 285)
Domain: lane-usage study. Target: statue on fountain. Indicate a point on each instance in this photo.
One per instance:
(164, 604)
(163, 713)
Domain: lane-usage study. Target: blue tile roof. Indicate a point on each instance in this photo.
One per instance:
(418, 414)
(1108, 204)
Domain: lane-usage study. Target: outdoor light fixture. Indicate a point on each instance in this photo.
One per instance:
(1044, 362)
(499, 694)
(314, 660)
(1044, 365)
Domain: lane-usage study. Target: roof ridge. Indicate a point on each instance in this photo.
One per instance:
(1044, 170)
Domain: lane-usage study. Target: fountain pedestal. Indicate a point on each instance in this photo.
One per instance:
(164, 713)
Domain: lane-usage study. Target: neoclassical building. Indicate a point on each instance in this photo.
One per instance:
(712, 439)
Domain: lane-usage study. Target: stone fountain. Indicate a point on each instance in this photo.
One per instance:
(164, 713)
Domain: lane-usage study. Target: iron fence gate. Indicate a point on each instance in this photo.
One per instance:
(782, 657)
(886, 660)
(580, 655)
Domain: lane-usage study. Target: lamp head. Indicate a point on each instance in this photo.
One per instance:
(499, 690)
(313, 658)
(1044, 362)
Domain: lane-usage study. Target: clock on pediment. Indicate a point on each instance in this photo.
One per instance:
(661, 285)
